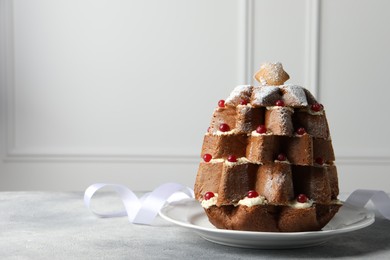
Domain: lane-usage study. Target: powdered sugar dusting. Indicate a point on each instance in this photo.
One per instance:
(265, 95)
(274, 70)
(263, 81)
(239, 93)
(294, 95)
(271, 74)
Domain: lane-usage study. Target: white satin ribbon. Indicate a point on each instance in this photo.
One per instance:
(139, 211)
(359, 198)
(145, 209)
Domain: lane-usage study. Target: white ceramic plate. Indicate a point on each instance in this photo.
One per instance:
(188, 213)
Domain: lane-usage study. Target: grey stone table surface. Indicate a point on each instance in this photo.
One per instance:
(57, 225)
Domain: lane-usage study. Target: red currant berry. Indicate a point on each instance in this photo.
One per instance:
(221, 103)
(319, 161)
(208, 195)
(244, 102)
(279, 103)
(261, 129)
(207, 157)
(281, 157)
(224, 127)
(302, 198)
(232, 158)
(252, 194)
(301, 131)
(316, 107)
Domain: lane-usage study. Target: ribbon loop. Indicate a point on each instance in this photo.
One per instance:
(380, 199)
(152, 203)
(139, 211)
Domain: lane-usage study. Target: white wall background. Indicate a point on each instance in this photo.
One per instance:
(123, 91)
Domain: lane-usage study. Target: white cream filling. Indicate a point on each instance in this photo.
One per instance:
(285, 161)
(248, 105)
(297, 135)
(277, 107)
(321, 165)
(299, 205)
(255, 133)
(314, 113)
(241, 160)
(210, 202)
(237, 93)
(226, 133)
(218, 160)
(249, 202)
(337, 202)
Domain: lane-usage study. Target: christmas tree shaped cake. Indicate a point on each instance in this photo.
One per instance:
(268, 160)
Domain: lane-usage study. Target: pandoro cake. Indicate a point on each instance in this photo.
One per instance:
(267, 159)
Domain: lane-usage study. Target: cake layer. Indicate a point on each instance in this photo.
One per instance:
(263, 148)
(271, 218)
(315, 182)
(314, 124)
(279, 182)
(236, 180)
(278, 120)
(274, 181)
(299, 149)
(221, 146)
(323, 149)
(208, 178)
(241, 119)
